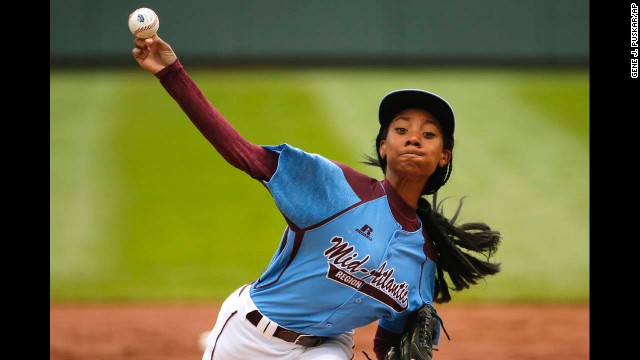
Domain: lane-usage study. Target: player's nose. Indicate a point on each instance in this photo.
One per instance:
(413, 139)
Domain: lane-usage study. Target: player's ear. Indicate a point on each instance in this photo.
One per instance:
(382, 149)
(446, 156)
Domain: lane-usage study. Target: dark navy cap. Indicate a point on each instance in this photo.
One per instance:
(398, 100)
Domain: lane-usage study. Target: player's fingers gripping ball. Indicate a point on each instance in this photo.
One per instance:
(143, 23)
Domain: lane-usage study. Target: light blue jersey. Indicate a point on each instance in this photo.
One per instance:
(344, 261)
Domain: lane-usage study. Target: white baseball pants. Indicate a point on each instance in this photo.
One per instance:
(234, 338)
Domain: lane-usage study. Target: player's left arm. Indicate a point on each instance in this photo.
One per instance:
(383, 341)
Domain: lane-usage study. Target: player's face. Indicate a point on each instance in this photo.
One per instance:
(414, 145)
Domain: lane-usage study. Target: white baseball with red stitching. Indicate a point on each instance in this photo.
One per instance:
(143, 23)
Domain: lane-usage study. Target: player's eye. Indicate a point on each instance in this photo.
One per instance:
(401, 130)
(428, 134)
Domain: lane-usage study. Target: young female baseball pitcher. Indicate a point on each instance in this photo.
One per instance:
(355, 249)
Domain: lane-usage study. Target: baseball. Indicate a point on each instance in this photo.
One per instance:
(143, 23)
(202, 340)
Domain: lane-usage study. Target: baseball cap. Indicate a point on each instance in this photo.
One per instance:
(398, 100)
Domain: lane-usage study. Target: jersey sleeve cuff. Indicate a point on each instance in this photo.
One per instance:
(168, 70)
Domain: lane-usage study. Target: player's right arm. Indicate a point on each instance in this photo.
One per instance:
(157, 57)
(153, 54)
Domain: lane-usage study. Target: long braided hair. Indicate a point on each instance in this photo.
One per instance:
(453, 242)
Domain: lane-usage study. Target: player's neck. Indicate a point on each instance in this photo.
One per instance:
(409, 190)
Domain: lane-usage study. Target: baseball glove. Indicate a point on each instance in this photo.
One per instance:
(418, 336)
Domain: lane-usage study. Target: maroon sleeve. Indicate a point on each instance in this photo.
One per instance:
(367, 188)
(255, 160)
(383, 341)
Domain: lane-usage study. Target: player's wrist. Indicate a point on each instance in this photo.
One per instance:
(173, 67)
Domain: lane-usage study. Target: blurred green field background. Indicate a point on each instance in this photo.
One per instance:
(142, 207)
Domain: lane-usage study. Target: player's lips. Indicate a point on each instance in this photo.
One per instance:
(412, 154)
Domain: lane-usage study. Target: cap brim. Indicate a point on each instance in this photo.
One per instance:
(396, 101)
